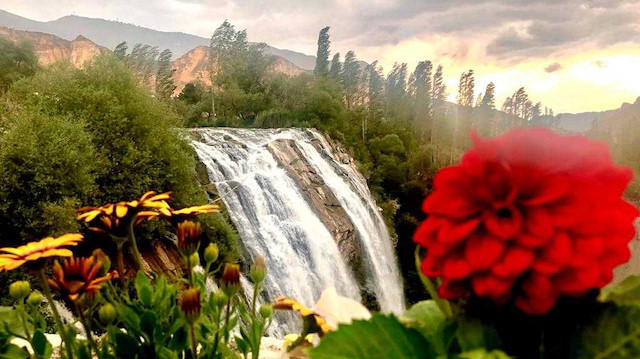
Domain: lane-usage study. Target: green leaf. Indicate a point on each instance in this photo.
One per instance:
(126, 346)
(428, 319)
(484, 354)
(472, 334)
(614, 335)
(381, 337)
(148, 323)
(626, 292)
(41, 346)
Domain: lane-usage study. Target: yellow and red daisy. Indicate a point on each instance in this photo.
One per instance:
(12, 258)
(78, 276)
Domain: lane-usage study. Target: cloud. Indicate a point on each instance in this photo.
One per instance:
(556, 66)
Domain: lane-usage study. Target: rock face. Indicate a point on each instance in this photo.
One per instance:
(50, 48)
(194, 66)
(322, 200)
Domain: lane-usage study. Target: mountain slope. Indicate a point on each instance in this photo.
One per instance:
(50, 48)
(110, 33)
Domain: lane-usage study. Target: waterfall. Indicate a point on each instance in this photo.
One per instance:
(274, 219)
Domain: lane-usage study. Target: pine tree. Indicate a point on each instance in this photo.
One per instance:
(336, 67)
(121, 50)
(164, 75)
(488, 100)
(350, 78)
(322, 56)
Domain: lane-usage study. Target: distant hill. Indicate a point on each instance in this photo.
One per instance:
(110, 33)
(587, 121)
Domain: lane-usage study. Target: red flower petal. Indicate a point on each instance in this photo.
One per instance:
(504, 223)
(483, 251)
(455, 232)
(456, 268)
(515, 262)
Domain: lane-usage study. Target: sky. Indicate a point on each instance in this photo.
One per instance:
(573, 56)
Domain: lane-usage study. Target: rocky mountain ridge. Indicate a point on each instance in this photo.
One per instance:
(109, 33)
(192, 66)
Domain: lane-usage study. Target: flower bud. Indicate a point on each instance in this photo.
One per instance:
(258, 270)
(103, 258)
(211, 253)
(230, 279)
(220, 299)
(194, 259)
(19, 290)
(190, 304)
(34, 299)
(107, 313)
(188, 233)
(266, 310)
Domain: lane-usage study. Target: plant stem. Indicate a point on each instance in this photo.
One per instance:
(194, 344)
(226, 321)
(87, 329)
(56, 315)
(134, 245)
(256, 290)
(23, 319)
(120, 260)
(216, 339)
(431, 288)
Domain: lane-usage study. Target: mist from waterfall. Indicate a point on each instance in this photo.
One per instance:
(274, 219)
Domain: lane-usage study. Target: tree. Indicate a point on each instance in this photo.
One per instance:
(396, 87)
(16, 61)
(322, 56)
(488, 100)
(439, 91)
(164, 76)
(192, 93)
(438, 96)
(121, 50)
(466, 89)
(350, 78)
(420, 90)
(336, 67)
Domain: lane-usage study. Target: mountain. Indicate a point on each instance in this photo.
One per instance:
(50, 48)
(110, 33)
(194, 66)
(587, 121)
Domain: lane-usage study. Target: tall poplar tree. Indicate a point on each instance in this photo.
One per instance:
(336, 67)
(488, 100)
(322, 56)
(350, 78)
(164, 75)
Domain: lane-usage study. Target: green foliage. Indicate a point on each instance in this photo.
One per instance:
(614, 335)
(16, 61)
(47, 164)
(626, 292)
(381, 337)
(484, 354)
(427, 318)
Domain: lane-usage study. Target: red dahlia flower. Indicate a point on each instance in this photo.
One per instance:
(529, 216)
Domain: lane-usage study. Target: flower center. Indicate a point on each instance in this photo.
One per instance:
(504, 213)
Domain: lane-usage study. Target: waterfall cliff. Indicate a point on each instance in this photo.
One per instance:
(306, 210)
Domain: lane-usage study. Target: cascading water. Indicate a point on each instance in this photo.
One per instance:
(274, 219)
